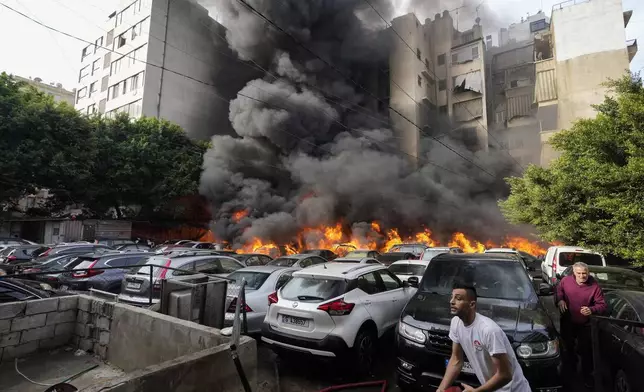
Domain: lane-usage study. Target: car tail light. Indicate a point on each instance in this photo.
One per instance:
(554, 268)
(157, 285)
(272, 298)
(31, 271)
(233, 305)
(45, 253)
(11, 258)
(88, 273)
(337, 307)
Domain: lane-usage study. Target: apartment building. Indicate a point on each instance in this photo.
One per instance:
(161, 58)
(511, 81)
(585, 46)
(54, 90)
(437, 79)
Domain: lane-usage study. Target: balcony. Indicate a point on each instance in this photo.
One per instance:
(546, 81)
(631, 46)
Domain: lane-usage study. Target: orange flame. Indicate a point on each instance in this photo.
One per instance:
(524, 245)
(239, 215)
(468, 246)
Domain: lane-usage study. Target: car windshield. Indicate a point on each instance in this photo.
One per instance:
(357, 254)
(283, 262)
(254, 280)
(492, 279)
(431, 253)
(618, 278)
(310, 289)
(407, 269)
(406, 249)
(567, 259)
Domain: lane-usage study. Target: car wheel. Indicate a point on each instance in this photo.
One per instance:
(364, 349)
(621, 382)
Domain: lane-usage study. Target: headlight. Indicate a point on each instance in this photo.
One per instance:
(538, 349)
(412, 333)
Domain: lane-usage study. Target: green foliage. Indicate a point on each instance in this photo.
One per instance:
(593, 195)
(131, 168)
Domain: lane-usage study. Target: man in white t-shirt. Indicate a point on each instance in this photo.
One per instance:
(486, 346)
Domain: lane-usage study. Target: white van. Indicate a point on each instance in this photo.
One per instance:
(559, 258)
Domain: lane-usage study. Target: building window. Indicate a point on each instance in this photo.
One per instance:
(442, 109)
(441, 59)
(110, 36)
(104, 82)
(442, 85)
(468, 37)
(55, 231)
(92, 88)
(120, 41)
(475, 52)
(91, 109)
(538, 25)
(82, 93)
(98, 44)
(96, 66)
(84, 72)
(454, 58)
(514, 83)
(420, 81)
(418, 53)
(124, 86)
(86, 52)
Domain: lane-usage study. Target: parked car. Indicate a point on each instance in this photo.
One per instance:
(622, 347)
(260, 282)
(14, 290)
(78, 249)
(6, 242)
(356, 260)
(169, 244)
(95, 278)
(408, 269)
(391, 257)
(54, 266)
(301, 260)
(335, 310)
(432, 252)
(13, 256)
(134, 247)
(252, 259)
(611, 278)
(362, 253)
(323, 253)
(505, 294)
(531, 263)
(113, 243)
(136, 285)
(558, 258)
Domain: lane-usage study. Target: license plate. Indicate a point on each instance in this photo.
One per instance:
(467, 367)
(300, 322)
(64, 287)
(133, 285)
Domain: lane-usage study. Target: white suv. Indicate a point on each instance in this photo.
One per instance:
(335, 310)
(559, 258)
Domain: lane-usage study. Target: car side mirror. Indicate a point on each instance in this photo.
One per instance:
(413, 281)
(545, 289)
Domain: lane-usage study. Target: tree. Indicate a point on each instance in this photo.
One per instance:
(593, 195)
(43, 144)
(113, 167)
(141, 166)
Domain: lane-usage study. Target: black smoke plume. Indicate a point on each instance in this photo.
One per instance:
(312, 148)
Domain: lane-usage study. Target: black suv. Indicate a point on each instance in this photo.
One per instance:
(505, 294)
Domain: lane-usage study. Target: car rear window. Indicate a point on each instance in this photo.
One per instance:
(311, 289)
(254, 280)
(283, 262)
(86, 263)
(158, 262)
(357, 254)
(567, 259)
(7, 251)
(407, 248)
(407, 269)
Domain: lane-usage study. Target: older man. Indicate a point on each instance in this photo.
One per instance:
(579, 296)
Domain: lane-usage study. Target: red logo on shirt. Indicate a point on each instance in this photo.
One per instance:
(477, 345)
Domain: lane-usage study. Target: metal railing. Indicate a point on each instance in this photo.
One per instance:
(598, 365)
(568, 3)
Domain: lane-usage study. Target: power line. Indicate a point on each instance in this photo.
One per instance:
(357, 84)
(435, 77)
(241, 94)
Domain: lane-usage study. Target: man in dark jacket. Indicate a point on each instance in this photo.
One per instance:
(579, 296)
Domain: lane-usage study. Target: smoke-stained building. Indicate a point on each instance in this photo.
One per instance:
(437, 72)
(162, 58)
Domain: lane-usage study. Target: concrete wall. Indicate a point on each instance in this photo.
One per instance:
(208, 370)
(27, 327)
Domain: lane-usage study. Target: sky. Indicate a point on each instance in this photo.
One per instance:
(30, 50)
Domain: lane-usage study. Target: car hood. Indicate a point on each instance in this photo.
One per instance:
(518, 319)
